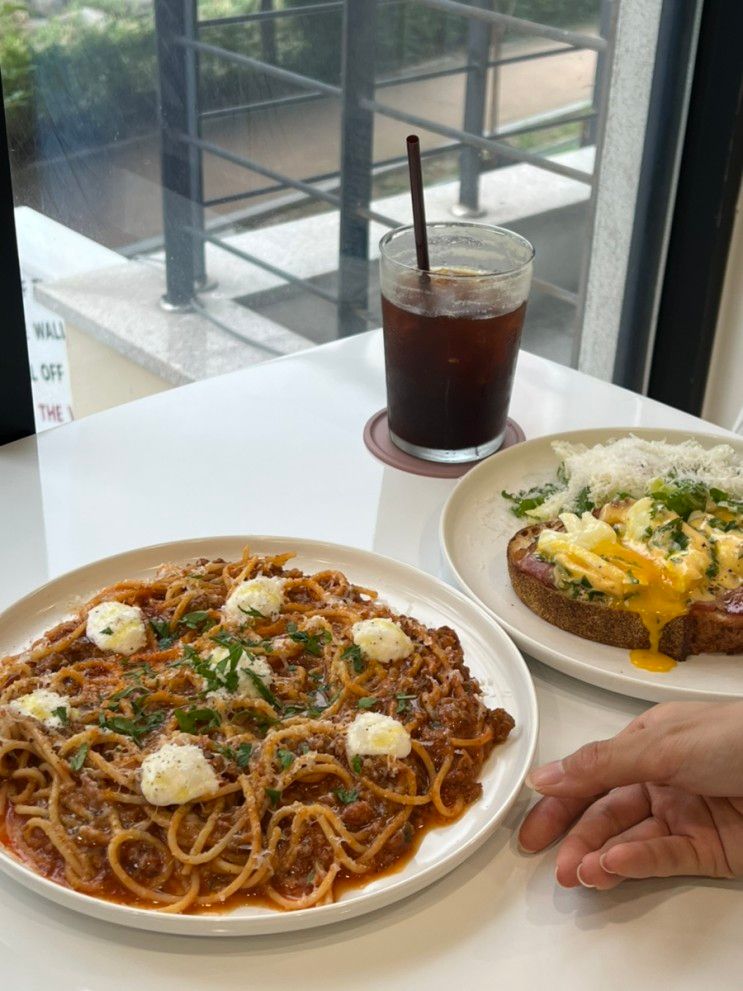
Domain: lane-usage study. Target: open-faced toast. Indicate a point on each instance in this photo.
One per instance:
(708, 625)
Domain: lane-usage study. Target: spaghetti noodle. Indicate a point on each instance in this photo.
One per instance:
(293, 813)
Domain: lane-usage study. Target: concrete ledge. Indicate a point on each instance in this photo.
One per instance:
(119, 304)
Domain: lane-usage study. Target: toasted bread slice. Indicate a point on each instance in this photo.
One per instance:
(707, 627)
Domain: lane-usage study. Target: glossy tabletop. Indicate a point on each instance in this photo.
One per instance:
(277, 449)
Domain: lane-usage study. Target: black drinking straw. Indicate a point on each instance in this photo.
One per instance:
(419, 207)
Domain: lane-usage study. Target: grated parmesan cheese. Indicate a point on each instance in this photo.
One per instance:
(629, 464)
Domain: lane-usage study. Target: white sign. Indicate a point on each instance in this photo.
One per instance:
(47, 355)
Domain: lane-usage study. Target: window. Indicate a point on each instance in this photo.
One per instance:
(202, 184)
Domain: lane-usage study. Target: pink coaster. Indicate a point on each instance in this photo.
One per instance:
(377, 439)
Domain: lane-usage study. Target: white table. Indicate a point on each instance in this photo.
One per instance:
(277, 449)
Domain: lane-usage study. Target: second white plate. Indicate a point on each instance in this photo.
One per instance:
(476, 526)
(488, 652)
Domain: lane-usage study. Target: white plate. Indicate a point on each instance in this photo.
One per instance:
(477, 524)
(488, 652)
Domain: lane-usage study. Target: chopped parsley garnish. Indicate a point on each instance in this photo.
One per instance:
(312, 643)
(346, 796)
(714, 564)
(286, 757)
(161, 629)
(367, 702)
(263, 690)
(253, 613)
(108, 631)
(140, 671)
(78, 758)
(137, 728)
(273, 795)
(62, 715)
(241, 756)
(356, 764)
(672, 533)
(354, 655)
(196, 720)
(724, 525)
(199, 620)
(403, 702)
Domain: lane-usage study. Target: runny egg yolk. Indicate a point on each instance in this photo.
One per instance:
(638, 567)
(656, 599)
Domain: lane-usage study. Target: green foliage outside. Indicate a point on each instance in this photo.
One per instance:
(93, 79)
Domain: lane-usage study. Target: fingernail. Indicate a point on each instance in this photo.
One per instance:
(584, 883)
(543, 777)
(602, 864)
(525, 849)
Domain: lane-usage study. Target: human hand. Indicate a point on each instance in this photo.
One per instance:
(662, 798)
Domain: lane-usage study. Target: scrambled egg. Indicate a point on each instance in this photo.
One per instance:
(644, 557)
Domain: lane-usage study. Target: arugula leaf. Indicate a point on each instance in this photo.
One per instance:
(681, 495)
(583, 502)
(346, 796)
(196, 720)
(62, 715)
(78, 758)
(161, 629)
(725, 500)
(199, 620)
(312, 643)
(286, 757)
(356, 764)
(529, 499)
(354, 655)
(367, 702)
(273, 795)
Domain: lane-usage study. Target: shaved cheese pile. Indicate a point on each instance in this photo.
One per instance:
(628, 465)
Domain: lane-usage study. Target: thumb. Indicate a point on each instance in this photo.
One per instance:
(627, 759)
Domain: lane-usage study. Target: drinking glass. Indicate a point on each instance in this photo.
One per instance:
(451, 337)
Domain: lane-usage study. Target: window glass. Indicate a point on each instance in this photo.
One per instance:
(202, 185)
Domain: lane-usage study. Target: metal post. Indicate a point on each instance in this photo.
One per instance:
(16, 397)
(268, 34)
(357, 132)
(176, 73)
(478, 52)
(590, 128)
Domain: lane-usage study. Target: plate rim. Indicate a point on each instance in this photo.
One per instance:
(623, 684)
(225, 924)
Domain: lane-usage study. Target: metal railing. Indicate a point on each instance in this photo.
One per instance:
(180, 46)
